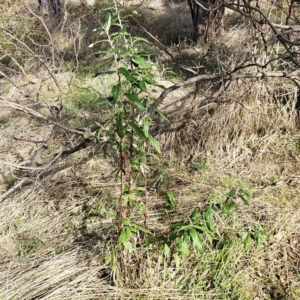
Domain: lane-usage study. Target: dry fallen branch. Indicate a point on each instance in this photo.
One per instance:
(37, 172)
(231, 77)
(22, 182)
(32, 112)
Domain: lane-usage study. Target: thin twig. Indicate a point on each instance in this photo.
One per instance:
(213, 77)
(38, 115)
(22, 182)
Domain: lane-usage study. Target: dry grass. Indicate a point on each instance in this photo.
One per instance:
(53, 241)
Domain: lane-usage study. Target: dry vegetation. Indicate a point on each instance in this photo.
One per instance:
(239, 135)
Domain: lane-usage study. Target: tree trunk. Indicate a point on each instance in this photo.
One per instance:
(207, 18)
(49, 7)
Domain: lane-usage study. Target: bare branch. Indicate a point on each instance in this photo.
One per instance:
(36, 114)
(226, 77)
(22, 182)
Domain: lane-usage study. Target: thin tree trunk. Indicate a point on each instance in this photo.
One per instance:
(49, 7)
(207, 17)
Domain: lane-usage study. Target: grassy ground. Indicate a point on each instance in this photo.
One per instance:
(55, 241)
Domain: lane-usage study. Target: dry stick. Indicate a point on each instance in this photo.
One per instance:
(8, 79)
(212, 77)
(22, 167)
(38, 115)
(27, 140)
(295, 28)
(51, 162)
(24, 181)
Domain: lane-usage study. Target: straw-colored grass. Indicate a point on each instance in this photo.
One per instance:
(54, 242)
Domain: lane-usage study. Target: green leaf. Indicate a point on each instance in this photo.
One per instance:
(120, 128)
(107, 8)
(247, 239)
(208, 219)
(183, 247)
(143, 85)
(122, 238)
(141, 228)
(155, 143)
(231, 208)
(185, 227)
(137, 130)
(195, 213)
(101, 101)
(244, 192)
(167, 250)
(195, 238)
(177, 225)
(144, 168)
(102, 66)
(230, 194)
(244, 199)
(129, 232)
(202, 228)
(116, 89)
(123, 53)
(146, 126)
(224, 207)
(126, 73)
(108, 229)
(140, 61)
(139, 39)
(159, 85)
(135, 100)
(171, 197)
(118, 34)
(128, 197)
(162, 115)
(209, 238)
(227, 209)
(177, 260)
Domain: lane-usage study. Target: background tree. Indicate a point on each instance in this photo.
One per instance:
(207, 16)
(49, 6)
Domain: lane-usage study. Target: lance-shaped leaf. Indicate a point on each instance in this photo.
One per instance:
(155, 143)
(126, 73)
(146, 126)
(116, 92)
(137, 130)
(135, 100)
(120, 128)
